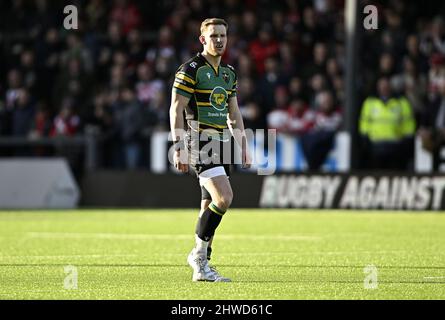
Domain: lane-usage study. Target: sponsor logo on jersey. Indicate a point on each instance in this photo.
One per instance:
(218, 98)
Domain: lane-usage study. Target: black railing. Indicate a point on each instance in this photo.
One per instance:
(86, 143)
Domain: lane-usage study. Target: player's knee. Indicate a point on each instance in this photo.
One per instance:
(205, 204)
(225, 200)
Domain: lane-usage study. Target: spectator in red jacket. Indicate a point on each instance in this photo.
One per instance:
(319, 141)
(126, 14)
(66, 123)
(263, 47)
(278, 118)
(300, 117)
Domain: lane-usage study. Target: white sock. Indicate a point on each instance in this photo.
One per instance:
(201, 246)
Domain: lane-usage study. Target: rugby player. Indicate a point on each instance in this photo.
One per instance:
(205, 91)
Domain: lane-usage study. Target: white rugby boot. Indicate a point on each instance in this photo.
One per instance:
(197, 259)
(218, 275)
(202, 271)
(200, 266)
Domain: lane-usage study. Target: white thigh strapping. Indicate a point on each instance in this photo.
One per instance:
(211, 173)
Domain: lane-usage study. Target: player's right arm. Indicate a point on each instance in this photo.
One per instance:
(183, 89)
(177, 107)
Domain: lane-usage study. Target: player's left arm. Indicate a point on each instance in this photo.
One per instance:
(236, 127)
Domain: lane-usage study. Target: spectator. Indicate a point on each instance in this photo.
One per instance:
(295, 44)
(11, 97)
(249, 104)
(249, 26)
(147, 86)
(163, 57)
(394, 35)
(432, 128)
(438, 35)
(287, 56)
(386, 65)
(23, 114)
(76, 50)
(96, 15)
(414, 53)
(328, 116)
(14, 86)
(251, 113)
(269, 82)
(66, 122)
(99, 114)
(47, 60)
(245, 66)
(117, 79)
(128, 119)
(114, 41)
(432, 131)
(387, 126)
(318, 65)
(412, 84)
(263, 47)
(278, 118)
(99, 122)
(28, 70)
(41, 125)
(311, 31)
(319, 141)
(74, 83)
(296, 88)
(40, 128)
(126, 14)
(433, 41)
(317, 84)
(300, 117)
(436, 75)
(135, 50)
(156, 113)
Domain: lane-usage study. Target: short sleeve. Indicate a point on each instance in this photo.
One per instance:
(185, 82)
(235, 82)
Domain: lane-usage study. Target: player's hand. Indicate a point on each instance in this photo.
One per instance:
(179, 161)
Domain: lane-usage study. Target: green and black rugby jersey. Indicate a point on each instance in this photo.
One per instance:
(209, 90)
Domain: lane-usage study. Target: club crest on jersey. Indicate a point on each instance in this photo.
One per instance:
(226, 77)
(208, 75)
(218, 98)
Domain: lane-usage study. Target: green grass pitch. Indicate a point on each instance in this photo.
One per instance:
(269, 254)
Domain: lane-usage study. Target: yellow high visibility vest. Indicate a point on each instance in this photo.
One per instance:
(390, 121)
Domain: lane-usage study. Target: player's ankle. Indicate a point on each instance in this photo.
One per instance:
(209, 252)
(201, 245)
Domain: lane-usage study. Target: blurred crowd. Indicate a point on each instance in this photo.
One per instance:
(113, 75)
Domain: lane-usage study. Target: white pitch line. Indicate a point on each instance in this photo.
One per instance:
(268, 254)
(433, 278)
(312, 253)
(115, 236)
(73, 256)
(120, 236)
